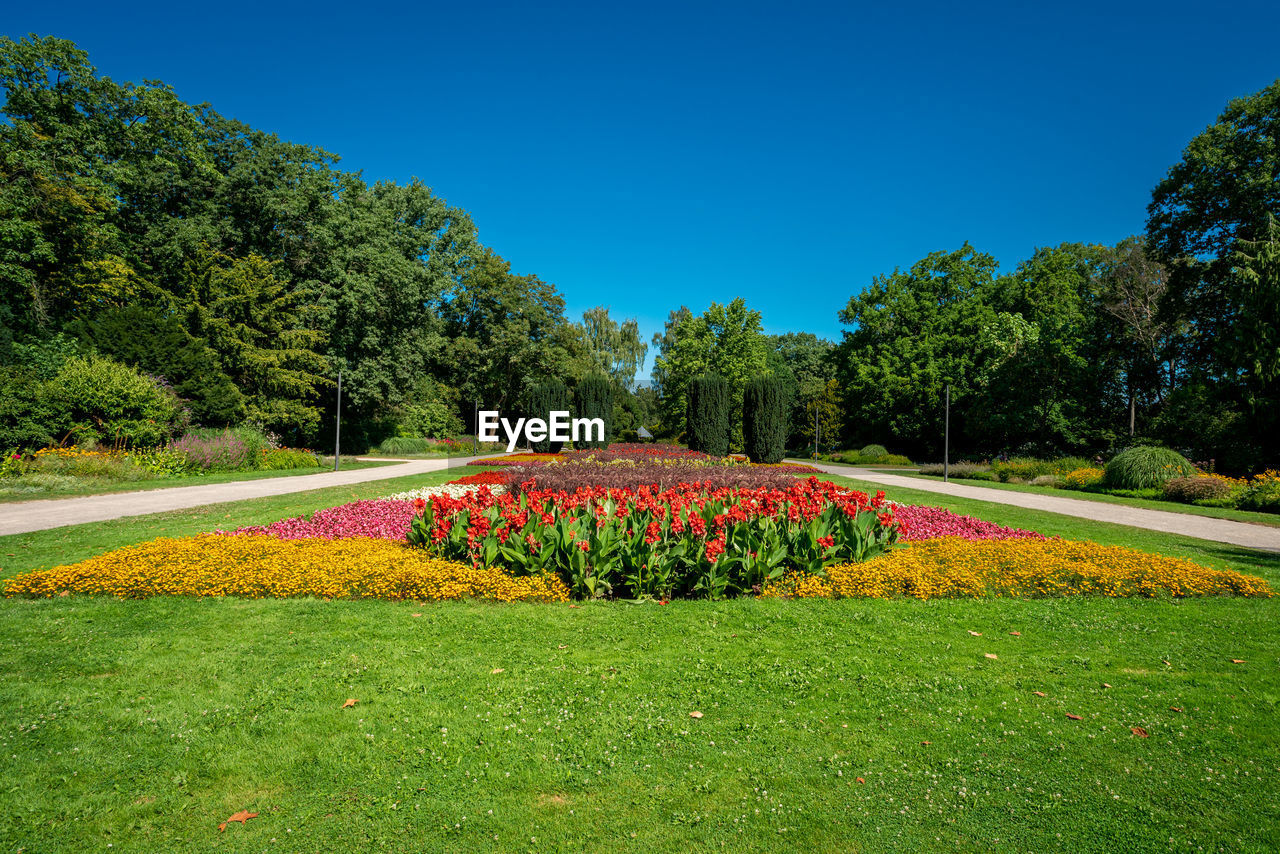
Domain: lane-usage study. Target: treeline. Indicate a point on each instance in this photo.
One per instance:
(176, 267)
(237, 274)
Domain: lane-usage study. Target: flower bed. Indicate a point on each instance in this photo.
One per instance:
(689, 540)
(572, 474)
(267, 566)
(953, 567)
(925, 523)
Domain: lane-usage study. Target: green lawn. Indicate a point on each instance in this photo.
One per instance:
(15, 489)
(144, 724)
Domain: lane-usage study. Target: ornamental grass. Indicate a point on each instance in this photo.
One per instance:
(258, 566)
(951, 567)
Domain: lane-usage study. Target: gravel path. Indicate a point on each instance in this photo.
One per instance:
(25, 516)
(1171, 522)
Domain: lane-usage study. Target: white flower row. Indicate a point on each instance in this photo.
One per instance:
(453, 490)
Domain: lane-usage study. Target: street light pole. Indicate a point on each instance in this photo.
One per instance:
(337, 426)
(946, 440)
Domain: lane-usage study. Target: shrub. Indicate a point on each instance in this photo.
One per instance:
(764, 419)
(1262, 493)
(408, 445)
(969, 471)
(874, 452)
(1147, 467)
(1085, 477)
(96, 399)
(280, 459)
(707, 420)
(428, 418)
(1191, 489)
(541, 401)
(1047, 480)
(230, 449)
(595, 400)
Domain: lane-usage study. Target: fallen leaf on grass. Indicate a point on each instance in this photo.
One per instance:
(860, 780)
(975, 634)
(925, 743)
(1175, 708)
(1237, 661)
(1105, 685)
(1138, 731)
(1166, 663)
(1074, 717)
(242, 817)
(562, 646)
(350, 702)
(695, 714)
(1039, 693)
(1016, 634)
(415, 615)
(497, 670)
(991, 655)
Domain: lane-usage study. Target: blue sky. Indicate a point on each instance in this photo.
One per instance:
(644, 156)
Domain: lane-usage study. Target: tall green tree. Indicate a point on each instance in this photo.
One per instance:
(911, 334)
(616, 348)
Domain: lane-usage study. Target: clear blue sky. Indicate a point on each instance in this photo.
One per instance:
(647, 155)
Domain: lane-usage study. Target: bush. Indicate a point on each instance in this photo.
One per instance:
(95, 399)
(874, 452)
(1147, 467)
(1085, 477)
(231, 449)
(1027, 469)
(1192, 489)
(595, 400)
(1262, 493)
(541, 401)
(281, 459)
(1047, 480)
(764, 419)
(429, 418)
(969, 471)
(707, 417)
(408, 445)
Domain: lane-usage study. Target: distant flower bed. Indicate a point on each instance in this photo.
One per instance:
(255, 566)
(952, 567)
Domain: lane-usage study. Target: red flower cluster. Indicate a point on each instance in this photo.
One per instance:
(489, 478)
(690, 539)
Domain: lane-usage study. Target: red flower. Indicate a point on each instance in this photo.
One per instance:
(419, 504)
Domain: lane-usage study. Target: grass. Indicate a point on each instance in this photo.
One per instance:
(511, 728)
(1270, 519)
(70, 487)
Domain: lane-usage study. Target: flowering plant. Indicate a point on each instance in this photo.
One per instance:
(686, 540)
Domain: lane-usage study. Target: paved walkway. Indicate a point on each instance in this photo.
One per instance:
(1167, 521)
(25, 516)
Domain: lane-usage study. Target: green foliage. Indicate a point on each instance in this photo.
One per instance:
(1146, 467)
(540, 401)
(93, 399)
(1262, 494)
(595, 400)
(874, 452)
(616, 349)
(408, 445)
(1190, 490)
(967, 471)
(765, 407)
(1027, 469)
(283, 459)
(707, 422)
(726, 340)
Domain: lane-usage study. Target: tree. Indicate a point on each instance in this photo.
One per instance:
(595, 400)
(540, 401)
(913, 333)
(765, 410)
(804, 363)
(725, 339)
(616, 349)
(1256, 278)
(1221, 192)
(709, 411)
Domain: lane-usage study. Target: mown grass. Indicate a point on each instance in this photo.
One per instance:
(145, 724)
(22, 489)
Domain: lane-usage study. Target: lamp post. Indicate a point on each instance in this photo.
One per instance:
(337, 426)
(946, 439)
